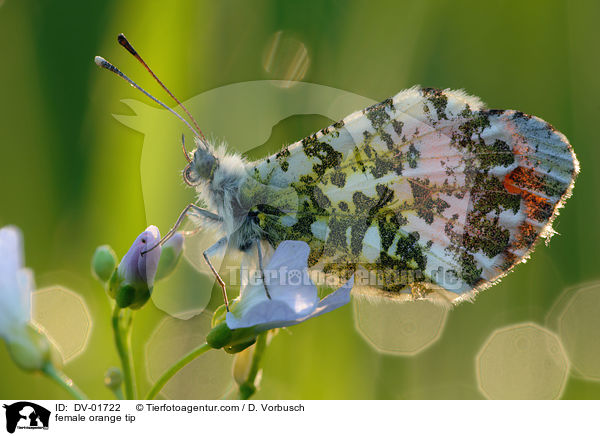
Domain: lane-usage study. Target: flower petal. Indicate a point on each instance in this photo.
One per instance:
(148, 263)
(291, 255)
(292, 293)
(15, 294)
(294, 297)
(26, 288)
(138, 268)
(11, 259)
(287, 277)
(334, 300)
(266, 314)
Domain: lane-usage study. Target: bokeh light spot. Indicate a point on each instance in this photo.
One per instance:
(401, 328)
(207, 377)
(197, 241)
(65, 318)
(578, 326)
(286, 58)
(522, 361)
(443, 391)
(187, 291)
(558, 307)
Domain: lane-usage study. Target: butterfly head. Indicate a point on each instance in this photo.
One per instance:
(202, 166)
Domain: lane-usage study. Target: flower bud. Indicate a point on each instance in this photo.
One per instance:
(239, 346)
(219, 336)
(132, 282)
(104, 263)
(246, 367)
(29, 348)
(232, 341)
(242, 363)
(170, 255)
(113, 378)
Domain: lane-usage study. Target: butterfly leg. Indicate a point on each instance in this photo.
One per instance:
(189, 209)
(213, 249)
(262, 269)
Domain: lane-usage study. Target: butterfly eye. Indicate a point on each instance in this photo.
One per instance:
(190, 176)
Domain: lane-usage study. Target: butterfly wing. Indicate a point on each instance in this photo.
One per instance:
(425, 193)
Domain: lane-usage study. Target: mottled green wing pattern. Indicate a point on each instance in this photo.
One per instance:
(425, 195)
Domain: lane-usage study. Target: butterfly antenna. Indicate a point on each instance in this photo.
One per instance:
(125, 43)
(183, 147)
(103, 63)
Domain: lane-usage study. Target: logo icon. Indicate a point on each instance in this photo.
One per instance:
(26, 415)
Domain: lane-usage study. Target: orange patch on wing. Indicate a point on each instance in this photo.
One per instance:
(523, 181)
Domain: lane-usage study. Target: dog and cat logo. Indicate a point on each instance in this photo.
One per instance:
(26, 415)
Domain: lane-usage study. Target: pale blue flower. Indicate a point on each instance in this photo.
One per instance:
(294, 297)
(16, 283)
(132, 282)
(28, 347)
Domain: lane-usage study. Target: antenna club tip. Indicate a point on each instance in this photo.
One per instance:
(125, 43)
(103, 63)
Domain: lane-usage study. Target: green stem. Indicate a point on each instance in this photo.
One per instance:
(123, 341)
(169, 373)
(118, 394)
(248, 388)
(65, 382)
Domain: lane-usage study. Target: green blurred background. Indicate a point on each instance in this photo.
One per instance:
(70, 173)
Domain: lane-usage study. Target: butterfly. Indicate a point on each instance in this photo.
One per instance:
(426, 195)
